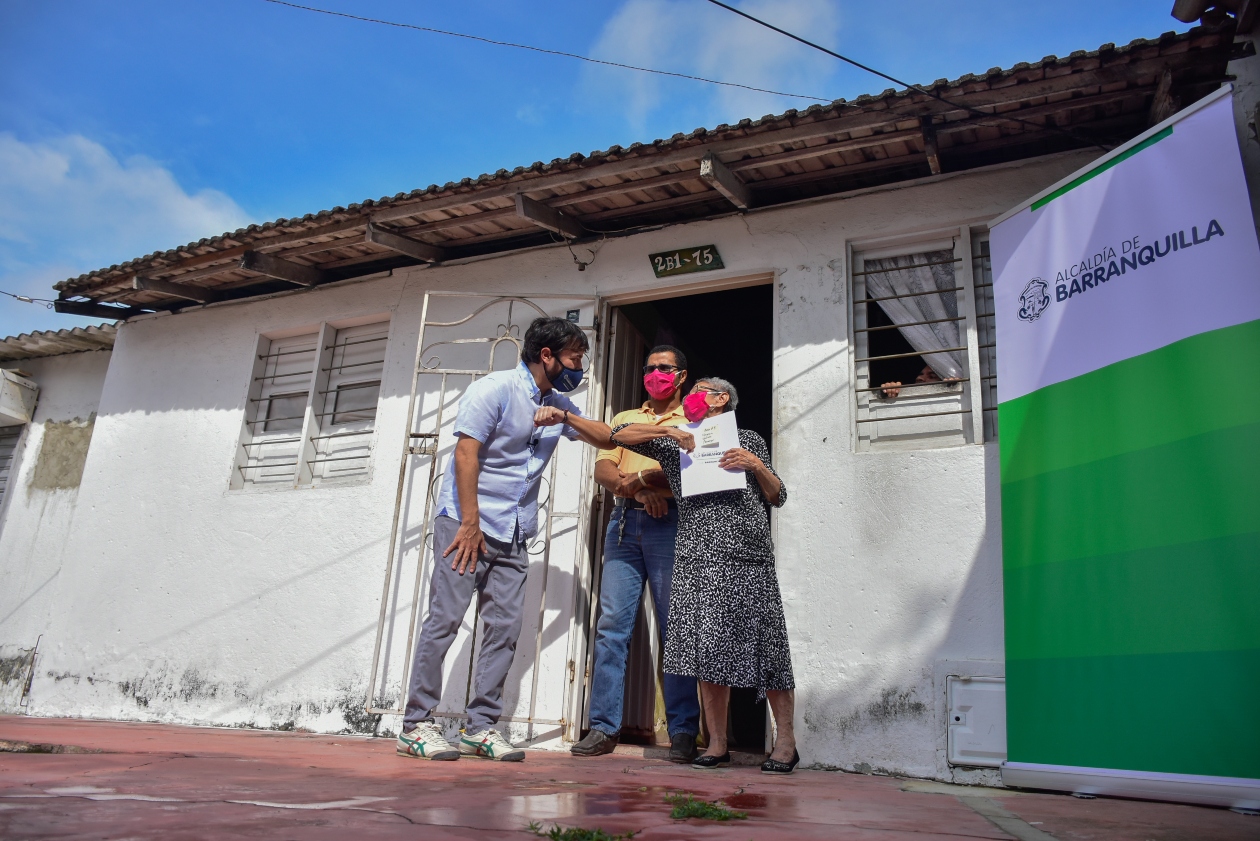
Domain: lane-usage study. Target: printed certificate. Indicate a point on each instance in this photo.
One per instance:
(700, 471)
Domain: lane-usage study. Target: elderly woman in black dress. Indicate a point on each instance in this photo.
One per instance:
(726, 624)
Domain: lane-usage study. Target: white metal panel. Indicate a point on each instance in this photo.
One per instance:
(977, 720)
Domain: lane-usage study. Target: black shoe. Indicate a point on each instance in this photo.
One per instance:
(596, 743)
(774, 766)
(682, 748)
(707, 761)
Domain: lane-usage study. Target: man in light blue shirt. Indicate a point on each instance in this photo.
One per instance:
(487, 511)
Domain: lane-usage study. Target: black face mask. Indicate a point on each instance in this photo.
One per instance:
(567, 379)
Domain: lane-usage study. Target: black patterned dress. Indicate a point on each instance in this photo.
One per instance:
(725, 613)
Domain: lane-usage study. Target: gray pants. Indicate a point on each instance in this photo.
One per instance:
(500, 585)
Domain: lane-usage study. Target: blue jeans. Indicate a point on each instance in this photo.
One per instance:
(643, 552)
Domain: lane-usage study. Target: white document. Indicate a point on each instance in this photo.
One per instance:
(700, 471)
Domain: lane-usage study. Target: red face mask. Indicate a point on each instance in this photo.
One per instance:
(695, 406)
(659, 384)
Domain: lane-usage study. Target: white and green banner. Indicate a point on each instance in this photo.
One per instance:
(1128, 336)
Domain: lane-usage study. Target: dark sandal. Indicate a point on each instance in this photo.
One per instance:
(706, 761)
(774, 766)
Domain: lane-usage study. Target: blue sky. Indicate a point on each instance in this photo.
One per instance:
(138, 125)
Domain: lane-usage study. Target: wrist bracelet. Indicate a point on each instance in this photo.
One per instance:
(641, 482)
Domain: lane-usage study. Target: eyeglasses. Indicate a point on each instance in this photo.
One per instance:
(665, 369)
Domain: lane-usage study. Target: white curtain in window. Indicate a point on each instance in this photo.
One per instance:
(909, 273)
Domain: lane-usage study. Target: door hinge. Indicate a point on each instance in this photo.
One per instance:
(598, 327)
(572, 671)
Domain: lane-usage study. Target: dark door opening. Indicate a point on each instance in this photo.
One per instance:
(726, 334)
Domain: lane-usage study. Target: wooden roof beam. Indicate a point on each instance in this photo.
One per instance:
(92, 310)
(717, 176)
(422, 251)
(548, 217)
(256, 261)
(848, 145)
(637, 162)
(930, 149)
(175, 290)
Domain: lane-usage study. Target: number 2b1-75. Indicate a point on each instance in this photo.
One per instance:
(700, 259)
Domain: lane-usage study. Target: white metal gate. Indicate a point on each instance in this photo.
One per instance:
(463, 337)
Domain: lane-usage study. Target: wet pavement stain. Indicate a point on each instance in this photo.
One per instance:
(572, 804)
(746, 801)
(188, 784)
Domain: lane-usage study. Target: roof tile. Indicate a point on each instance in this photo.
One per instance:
(246, 234)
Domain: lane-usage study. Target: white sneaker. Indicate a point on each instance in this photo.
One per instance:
(490, 745)
(425, 741)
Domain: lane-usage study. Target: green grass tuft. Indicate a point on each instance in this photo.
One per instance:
(687, 806)
(576, 833)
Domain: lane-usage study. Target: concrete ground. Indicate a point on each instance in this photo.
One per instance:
(104, 779)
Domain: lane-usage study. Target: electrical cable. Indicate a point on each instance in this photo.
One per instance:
(26, 299)
(907, 85)
(543, 50)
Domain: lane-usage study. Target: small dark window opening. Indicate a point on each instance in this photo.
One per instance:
(888, 343)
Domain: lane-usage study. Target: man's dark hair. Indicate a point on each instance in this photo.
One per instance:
(555, 333)
(680, 358)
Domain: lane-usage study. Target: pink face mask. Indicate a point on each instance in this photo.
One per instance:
(695, 406)
(659, 384)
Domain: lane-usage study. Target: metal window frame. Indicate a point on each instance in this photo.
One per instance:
(323, 345)
(960, 240)
(988, 361)
(322, 419)
(257, 403)
(13, 463)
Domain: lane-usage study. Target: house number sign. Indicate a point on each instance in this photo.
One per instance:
(701, 258)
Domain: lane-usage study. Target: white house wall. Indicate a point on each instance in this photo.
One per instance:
(36, 517)
(180, 600)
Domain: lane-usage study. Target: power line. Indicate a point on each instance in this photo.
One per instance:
(26, 299)
(546, 51)
(907, 85)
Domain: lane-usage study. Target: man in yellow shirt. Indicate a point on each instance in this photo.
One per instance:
(638, 550)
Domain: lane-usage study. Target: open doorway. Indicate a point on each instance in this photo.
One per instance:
(728, 334)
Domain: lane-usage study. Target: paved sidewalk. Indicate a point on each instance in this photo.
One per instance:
(101, 780)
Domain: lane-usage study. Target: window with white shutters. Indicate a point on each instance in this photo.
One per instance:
(311, 412)
(924, 352)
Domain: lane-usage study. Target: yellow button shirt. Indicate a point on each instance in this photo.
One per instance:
(631, 463)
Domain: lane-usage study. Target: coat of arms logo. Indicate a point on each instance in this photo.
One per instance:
(1034, 299)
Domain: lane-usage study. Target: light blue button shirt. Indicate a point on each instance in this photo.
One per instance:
(498, 410)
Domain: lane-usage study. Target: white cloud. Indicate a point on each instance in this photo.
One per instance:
(71, 192)
(68, 205)
(702, 40)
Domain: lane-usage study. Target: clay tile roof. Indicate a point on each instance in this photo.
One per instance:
(57, 342)
(433, 214)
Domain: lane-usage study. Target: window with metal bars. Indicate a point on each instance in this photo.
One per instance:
(920, 343)
(986, 331)
(312, 407)
(347, 402)
(10, 438)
